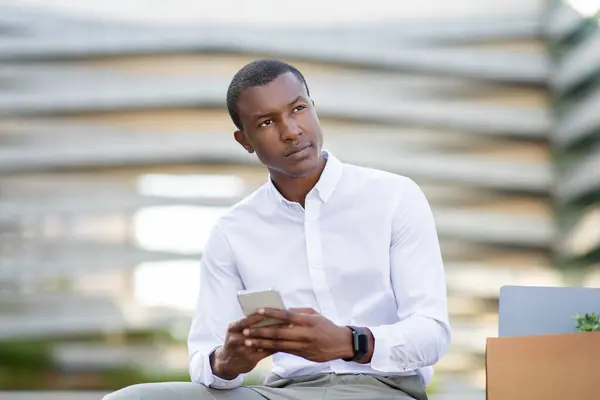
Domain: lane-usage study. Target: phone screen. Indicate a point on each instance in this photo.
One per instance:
(252, 301)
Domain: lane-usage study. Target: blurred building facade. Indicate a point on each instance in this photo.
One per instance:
(574, 44)
(116, 156)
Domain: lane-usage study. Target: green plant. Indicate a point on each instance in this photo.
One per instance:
(16, 355)
(588, 322)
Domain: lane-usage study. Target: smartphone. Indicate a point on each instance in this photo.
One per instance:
(252, 300)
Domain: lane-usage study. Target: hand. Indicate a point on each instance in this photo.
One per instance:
(234, 358)
(304, 333)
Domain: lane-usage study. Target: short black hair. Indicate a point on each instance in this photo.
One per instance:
(256, 73)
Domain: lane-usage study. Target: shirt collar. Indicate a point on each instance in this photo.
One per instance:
(326, 184)
(330, 177)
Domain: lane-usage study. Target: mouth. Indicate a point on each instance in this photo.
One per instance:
(298, 149)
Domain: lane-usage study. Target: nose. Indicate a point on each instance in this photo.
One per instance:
(290, 129)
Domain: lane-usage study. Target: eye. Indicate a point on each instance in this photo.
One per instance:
(266, 122)
(299, 108)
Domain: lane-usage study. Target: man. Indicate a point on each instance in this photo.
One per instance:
(353, 252)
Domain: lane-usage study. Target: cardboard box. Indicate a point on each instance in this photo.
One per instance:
(544, 367)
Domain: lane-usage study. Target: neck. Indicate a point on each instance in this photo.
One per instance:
(295, 189)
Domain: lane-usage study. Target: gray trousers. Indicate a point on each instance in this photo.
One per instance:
(322, 386)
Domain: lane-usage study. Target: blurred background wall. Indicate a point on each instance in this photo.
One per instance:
(117, 156)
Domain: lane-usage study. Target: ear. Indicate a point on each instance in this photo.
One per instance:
(243, 141)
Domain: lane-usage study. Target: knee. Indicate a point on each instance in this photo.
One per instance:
(133, 392)
(159, 391)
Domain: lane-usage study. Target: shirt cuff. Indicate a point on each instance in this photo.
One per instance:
(209, 379)
(386, 337)
(220, 383)
(216, 382)
(380, 359)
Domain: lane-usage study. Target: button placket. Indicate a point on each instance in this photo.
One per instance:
(315, 259)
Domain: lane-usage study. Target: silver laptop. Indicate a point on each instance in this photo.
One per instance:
(535, 310)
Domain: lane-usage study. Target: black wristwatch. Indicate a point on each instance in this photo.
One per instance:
(360, 343)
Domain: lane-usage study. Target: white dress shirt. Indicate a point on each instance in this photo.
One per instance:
(364, 251)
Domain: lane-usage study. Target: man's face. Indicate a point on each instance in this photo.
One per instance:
(281, 125)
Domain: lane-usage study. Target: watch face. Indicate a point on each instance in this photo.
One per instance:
(363, 342)
(360, 343)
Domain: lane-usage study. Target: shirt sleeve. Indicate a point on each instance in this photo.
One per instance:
(219, 280)
(422, 335)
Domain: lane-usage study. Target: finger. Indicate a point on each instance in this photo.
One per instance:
(304, 310)
(237, 342)
(262, 352)
(275, 345)
(297, 333)
(236, 339)
(239, 325)
(287, 316)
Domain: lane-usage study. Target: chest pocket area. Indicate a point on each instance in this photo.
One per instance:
(284, 268)
(357, 270)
